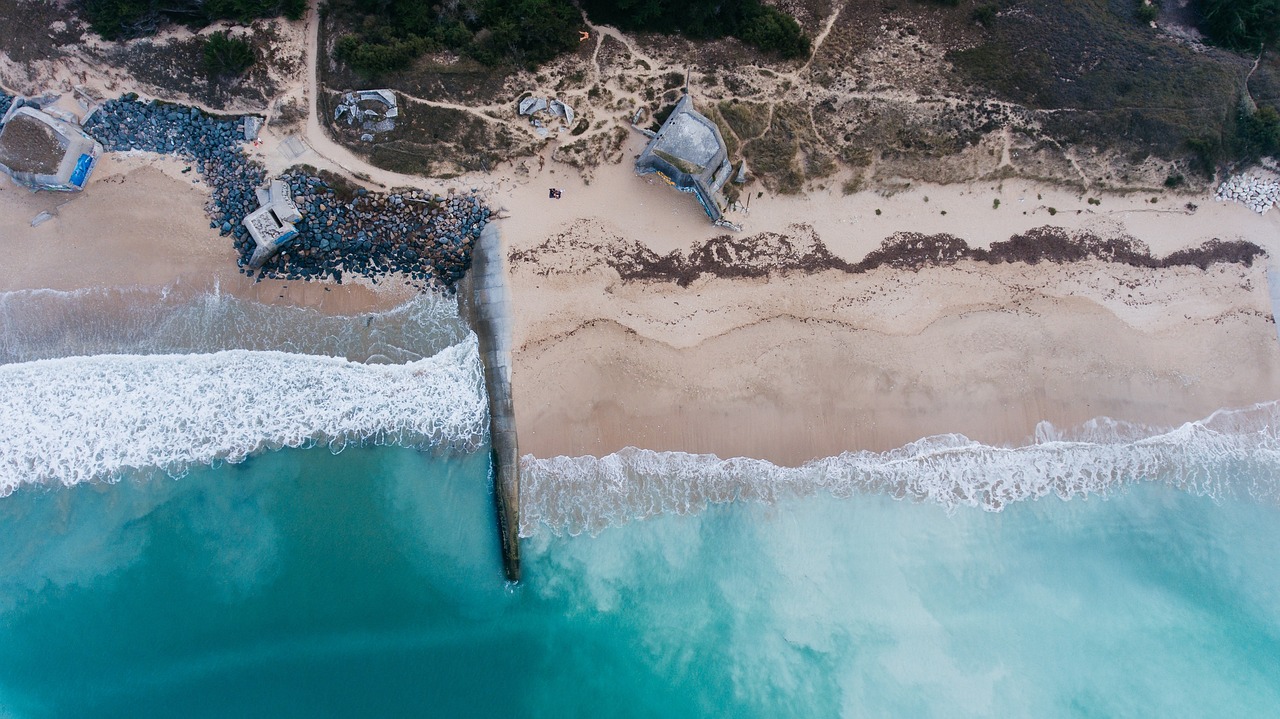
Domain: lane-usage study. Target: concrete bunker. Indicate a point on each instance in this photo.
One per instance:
(544, 112)
(271, 225)
(42, 152)
(689, 152)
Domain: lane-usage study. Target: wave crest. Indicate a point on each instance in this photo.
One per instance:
(85, 418)
(1232, 450)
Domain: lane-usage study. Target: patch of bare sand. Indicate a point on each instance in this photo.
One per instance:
(646, 209)
(141, 222)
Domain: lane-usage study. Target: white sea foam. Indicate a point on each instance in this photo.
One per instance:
(1231, 451)
(87, 418)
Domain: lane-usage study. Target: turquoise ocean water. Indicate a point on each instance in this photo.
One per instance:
(300, 582)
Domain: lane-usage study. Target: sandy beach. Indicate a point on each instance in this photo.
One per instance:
(141, 222)
(795, 366)
(785, 367)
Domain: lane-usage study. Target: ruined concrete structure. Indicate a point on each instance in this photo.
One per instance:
(45, 153)
(373, 111)
(544, 112)
(271, 225)
(689, 152)
(485, 304)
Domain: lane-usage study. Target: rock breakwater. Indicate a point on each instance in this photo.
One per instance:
(1256, 193)
(422, 237)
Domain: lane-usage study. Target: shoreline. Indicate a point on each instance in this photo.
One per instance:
(793, 383)
(787, 366)
(790, 366)
(163, 240)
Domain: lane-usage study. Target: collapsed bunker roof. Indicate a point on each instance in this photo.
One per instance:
(689, 151)
(44, 153)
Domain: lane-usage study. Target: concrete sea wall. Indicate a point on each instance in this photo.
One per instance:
(483, 297)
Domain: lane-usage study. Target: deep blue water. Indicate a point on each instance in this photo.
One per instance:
(301, 583)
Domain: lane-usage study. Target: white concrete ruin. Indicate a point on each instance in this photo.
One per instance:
(271, 225)
(541, 111)
(43, 152)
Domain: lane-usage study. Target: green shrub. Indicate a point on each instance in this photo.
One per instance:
(225, 56)
(1258, 133)
(1206, 152)
(389, 35)
(1147, 11)
(1240, 24)
(376, 58)
(117, 19)
(762, 26)
(984, 15)
(772, 30)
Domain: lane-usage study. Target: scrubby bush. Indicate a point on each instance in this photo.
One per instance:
(1148, 11)
(226, 56)
(376, 58)
(1258, 133)
(389, 34)
(984, 14)
(116, 19)
(1240, 24)
(772, 30)
(756, 24)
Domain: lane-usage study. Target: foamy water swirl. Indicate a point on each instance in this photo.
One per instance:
(84, 418)
(1231, 451)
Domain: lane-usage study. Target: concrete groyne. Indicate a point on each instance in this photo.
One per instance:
(483, 297)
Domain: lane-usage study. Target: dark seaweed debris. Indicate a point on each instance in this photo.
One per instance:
(764, 254)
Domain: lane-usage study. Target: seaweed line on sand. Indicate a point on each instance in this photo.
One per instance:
(767, 253)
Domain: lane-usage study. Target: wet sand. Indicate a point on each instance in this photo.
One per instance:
(796, 366)
(787, 367)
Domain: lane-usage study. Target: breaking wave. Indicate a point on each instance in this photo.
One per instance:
(1232, 451)
(90, 418)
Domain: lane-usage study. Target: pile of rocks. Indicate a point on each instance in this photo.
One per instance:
(212, 144)
(1256, 193)
(5, 102)
(424, 237)
(420, 236)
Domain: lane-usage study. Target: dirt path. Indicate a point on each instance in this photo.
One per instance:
(336, 157)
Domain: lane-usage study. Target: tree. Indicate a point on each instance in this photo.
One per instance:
(225, 56)
(1240, 24)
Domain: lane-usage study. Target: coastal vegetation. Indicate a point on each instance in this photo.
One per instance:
(122, 19)
(384, 36)
(387, 35)
(1151, 94)
(762, 26)
(225, 56)
(1246, 25)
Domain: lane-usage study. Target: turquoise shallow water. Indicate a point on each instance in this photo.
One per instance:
(300, 583)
